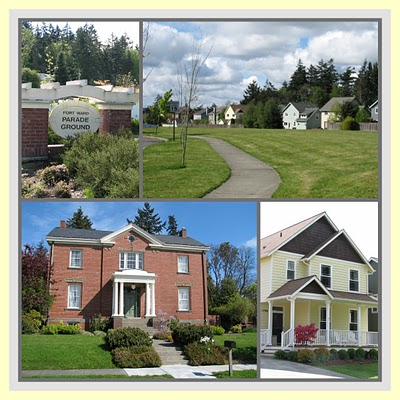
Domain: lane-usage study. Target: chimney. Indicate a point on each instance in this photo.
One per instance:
(183, 232)
(63, 224)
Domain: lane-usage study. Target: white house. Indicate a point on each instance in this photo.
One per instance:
(300, 116)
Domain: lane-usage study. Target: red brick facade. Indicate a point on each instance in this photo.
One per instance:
(100, 263)
(113, 120)
(35, 123)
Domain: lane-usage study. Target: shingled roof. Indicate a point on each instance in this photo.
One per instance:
(329, 106)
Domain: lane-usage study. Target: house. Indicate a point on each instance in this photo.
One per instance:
(329, 110)
(202, 114)
(373, 290)
(234, 113)
(374, 110)
(213, 116)
(127, 274)
(312, 272)
(301, 116)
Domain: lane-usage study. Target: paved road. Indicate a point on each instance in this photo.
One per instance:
(271, 368)
(250, 178)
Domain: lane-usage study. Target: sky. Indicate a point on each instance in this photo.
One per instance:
(245, 51)
(207, 222)
(358, 219)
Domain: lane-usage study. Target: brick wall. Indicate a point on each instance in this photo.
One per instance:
(34, 132)
(164, 264)
(113, 120)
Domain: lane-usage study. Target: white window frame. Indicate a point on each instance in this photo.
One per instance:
(374, 310)
(183, 303)
(353, 323)
(77, 305)
(294, 270)
(138, 260)
(321, 320)
(326, 276)
(183, 268)
(74, 258)
(352, 280)
(376, 110)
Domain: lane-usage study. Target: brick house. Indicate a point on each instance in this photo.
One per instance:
(127, 274)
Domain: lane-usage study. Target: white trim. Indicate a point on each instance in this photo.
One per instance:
(186, 265)
(358, 319)
(180, 247)
(292, 254)
(311, 296)
(359, 280)
(287, 269)
(69, 307)
(186, 289)
(73, 241)
(70, 258)
(331, 275)
(271, 276)
(130, 227)
(338, 259)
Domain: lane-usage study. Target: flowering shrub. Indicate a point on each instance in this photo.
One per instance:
(205, 353)
(206, 340)
(305, 334)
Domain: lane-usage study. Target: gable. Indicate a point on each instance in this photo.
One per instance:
(310, 238)
(314, 288)
(341, 249)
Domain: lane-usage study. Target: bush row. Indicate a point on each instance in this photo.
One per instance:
(183, 335)
(61, 329)
(323, 355)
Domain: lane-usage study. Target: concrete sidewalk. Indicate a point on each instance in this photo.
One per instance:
(250, 178)
(177, 371)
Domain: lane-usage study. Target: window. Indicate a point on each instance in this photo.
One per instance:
(374, 310)
(322, 319)
(183, 264)
(353, 326)
(75, 259)
(74, 295)
(290, 269)
(183, 299)
(326, 275)
(354, 284)
(376, 110)
(131, 260)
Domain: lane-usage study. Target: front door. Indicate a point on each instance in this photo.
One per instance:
(277, 326)
(131, 302)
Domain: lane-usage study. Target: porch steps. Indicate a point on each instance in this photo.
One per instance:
(270, 350)
(168, 353)
(141, 323)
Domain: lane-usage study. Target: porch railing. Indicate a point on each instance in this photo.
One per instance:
(287, 338)
(265, 338)
(346, 338)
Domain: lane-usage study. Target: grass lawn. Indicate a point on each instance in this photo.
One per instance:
(64, 352)
(246, 345)
(311, 164)
(362, 371)
(97, 377)
(246, 374)
(163, 176)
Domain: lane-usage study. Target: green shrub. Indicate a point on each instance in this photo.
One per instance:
(69, 330)
(185, 334)
(87, 333)
(205, 354)
(333, 354)
(162, 335)
(217, 330)
(50, 330)
(360, 354)
(99, 323)
(306, 356)
(292, 356)
(31, 322)
(351, 353)
(38, 190)
(343, 354)
(30, 75)
(62, 190)
(349, 124)
(99, 333)
(53, 174)
(322, 355)
(236, 328)
(54, 138)
(136, 357)
(127, 337)
(108, 165)
(245, 355)
(280, 355)
(372, 354)
(135, 126)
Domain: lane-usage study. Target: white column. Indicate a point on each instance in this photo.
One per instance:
(147, 300)
(270, 311)
(153, 299)
(115, 299)
(121, 299)
(328, 322)
(359, 325)
(292, 314)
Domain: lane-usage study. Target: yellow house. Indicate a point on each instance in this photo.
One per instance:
(312, 272)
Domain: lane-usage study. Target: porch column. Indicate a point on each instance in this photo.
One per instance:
(328, 322)
(269, 338)
(115, 299)
(147, 300)
(153, 299)
(359, 325)
(121, 299)
(292, 313)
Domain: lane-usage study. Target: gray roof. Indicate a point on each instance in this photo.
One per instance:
(171, 239)
(302, 107)
(329, 106)
(352, 296)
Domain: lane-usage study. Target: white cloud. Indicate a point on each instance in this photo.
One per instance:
(251, 243)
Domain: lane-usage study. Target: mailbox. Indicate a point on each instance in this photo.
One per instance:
(230, 344)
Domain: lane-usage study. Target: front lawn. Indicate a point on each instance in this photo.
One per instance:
(246, 346)
(97, 377)
(245, 374)
(65, 352)
(311, 163)
(362, 371)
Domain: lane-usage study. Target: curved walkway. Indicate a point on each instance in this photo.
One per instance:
(250, 178)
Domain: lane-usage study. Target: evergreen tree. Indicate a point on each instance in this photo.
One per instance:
(148, 220)
(61, 71)
(79, 220)
(272, 115)
(346, 82)
(172, 228)
(249, 117)
(298, 80)
(252, 93)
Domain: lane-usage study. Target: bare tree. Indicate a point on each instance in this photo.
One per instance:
(146, 37)
(188, 86)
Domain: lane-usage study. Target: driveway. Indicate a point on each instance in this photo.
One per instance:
(271, 368)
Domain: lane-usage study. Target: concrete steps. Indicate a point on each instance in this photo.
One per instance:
(169, 354)
(141, 323)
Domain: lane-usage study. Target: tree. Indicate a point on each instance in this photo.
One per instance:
(61, 72)
(252, 93)
(172, 228)
(79, 220)
(29, 75)
(249, 117)
(272, 115)
(35, 280)
(160, 109)
(148, 220)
